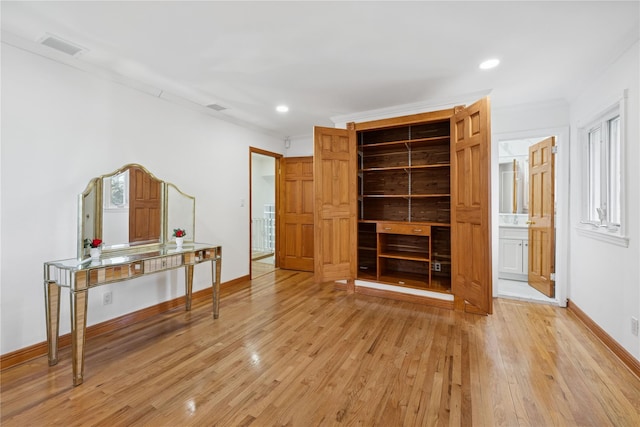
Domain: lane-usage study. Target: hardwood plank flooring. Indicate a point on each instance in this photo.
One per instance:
(258, 268)
(288, 352)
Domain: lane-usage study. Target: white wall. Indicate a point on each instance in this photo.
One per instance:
(60, 128)
(536, 121)
(605, 278)
(301, 146)
(263, 186)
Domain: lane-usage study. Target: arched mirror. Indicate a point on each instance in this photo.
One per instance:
(130, 208)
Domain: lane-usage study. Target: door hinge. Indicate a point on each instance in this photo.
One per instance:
(554, 149)
(552, 276)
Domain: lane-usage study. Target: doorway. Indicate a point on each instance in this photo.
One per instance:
(263, 207)
(519, 189)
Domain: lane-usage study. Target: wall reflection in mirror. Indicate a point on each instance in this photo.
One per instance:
(179, 207)
(130, 207)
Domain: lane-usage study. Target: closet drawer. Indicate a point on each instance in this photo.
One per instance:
(416, 229)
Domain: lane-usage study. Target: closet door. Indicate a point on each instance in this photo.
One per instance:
(335, 238)
(296, 219)
(470, 207)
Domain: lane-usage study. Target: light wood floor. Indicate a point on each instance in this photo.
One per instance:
(258, 268)
(286, 351)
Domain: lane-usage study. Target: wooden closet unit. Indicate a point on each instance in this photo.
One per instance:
(419, 206)
(403, 193)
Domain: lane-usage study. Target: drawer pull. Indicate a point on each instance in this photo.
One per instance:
(388, 228)
(417, 230)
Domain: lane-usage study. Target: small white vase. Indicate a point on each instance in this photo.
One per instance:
(95, 253)
(179, 242)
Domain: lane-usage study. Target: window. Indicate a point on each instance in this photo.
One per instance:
(604, 172)
(116, 191)
(603, 197)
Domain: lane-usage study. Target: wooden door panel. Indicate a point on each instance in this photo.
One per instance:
(307, 198)
(476, 180)
(542, 216)
(296, 186)
(306, 247)
(335, 204)
(292, 192)
(470, 206)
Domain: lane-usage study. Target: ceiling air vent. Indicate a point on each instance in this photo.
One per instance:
(61, 45)
(216, 107)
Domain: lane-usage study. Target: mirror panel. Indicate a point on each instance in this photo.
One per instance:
(180, 213)
(146, 194)
(88, 215)
(130, 207)
(115, 208)
(514, 185)
(513, 159)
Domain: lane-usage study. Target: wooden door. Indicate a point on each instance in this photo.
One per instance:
(144, 207)
(541, 216)
(470, 208)
(296, 218)
(335, 172)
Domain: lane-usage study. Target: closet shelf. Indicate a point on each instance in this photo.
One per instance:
(413, 167)
(404, 196)
(412, 256)
(407, 142)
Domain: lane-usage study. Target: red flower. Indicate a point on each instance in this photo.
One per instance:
(95, 243)
(179, 232)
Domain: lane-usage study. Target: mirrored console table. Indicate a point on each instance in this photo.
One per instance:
(81, 275)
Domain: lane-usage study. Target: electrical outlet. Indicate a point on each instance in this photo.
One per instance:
(107, 298)
(437, 266)
(634, 326)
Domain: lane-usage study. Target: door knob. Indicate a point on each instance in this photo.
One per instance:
(531, 222)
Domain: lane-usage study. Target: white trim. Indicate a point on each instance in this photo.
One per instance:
(562, 201)
(588, 230)
(407, 109)
(172, 94)
(404, 290)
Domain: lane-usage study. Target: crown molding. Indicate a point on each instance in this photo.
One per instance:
(77, 63)
(407, 109)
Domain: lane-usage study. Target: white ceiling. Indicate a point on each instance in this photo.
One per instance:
(327, 59)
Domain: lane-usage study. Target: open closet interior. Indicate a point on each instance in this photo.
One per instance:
(404, 205)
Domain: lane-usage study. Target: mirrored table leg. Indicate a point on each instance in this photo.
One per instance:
(216, 267)
(52, 304)
(78, 331)
(188, 283)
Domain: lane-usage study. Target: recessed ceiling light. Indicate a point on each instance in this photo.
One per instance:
(489, 63)
(282, 108)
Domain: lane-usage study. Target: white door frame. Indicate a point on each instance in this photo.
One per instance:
(562, 203)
